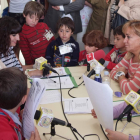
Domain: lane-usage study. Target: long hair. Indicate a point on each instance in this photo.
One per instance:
(8, 26)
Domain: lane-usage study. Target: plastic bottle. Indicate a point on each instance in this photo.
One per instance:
(98, 75)
(106, 78)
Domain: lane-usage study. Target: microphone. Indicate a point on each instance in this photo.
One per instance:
(100, 63)
(88, 67)
(41, 63)
(44, 118)
(133, 101)
(96, 55)
(47, 66)
(99, 54)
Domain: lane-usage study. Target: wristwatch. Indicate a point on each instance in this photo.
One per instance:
(118, 74)
(130, 137)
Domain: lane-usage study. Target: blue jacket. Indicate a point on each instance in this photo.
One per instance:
(56, 59)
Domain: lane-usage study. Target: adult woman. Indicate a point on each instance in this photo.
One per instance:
(9, 37)
(130, 65)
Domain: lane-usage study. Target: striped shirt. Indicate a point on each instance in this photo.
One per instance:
(11, 60)
(33, 42)
(133, 82)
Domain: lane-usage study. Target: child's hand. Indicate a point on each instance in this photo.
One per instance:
(35, 135)
(114, 135)
(93, 113)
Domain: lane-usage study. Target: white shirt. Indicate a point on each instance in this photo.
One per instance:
(17, 6)
(62, 9)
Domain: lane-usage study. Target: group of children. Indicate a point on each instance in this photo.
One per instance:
(35, 40)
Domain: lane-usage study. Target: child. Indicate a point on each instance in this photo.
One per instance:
(35, 37)
(119, 50)
(93, 40)
(13, 93)
(69, 58)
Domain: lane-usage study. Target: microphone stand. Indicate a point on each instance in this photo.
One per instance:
(129, 119)
(46, 72)
(53, 133)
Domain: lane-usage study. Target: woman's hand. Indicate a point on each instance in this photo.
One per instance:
(27, 67)
(114, 135)
(35, 73)
(93, 113)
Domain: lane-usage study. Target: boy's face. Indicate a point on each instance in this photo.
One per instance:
(31, 20)
(119, 42)
(65, 33)
(90, 49)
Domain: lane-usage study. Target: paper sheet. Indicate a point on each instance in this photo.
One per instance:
(51, 96)
(65, 83)
(78, 105)
(60, 70)
(36, 91)
(102, 100)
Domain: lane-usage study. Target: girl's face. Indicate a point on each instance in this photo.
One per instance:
(132, 41)
(13, 39)
(90, 49)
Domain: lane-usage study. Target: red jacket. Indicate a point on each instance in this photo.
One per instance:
(33, 42)
(7, 127)
(117, 59)
(82, 56)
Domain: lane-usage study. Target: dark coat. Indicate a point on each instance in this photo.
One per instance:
(98, 17)
(52, 16)
(54, 57)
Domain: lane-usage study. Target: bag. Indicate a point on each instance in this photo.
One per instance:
(118, 20)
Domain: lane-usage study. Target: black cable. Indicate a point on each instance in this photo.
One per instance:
(63, 106)
(73, 88)
(103, 131)
(116, 125)
(77, 132)
(92, 135)
(72, 129)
